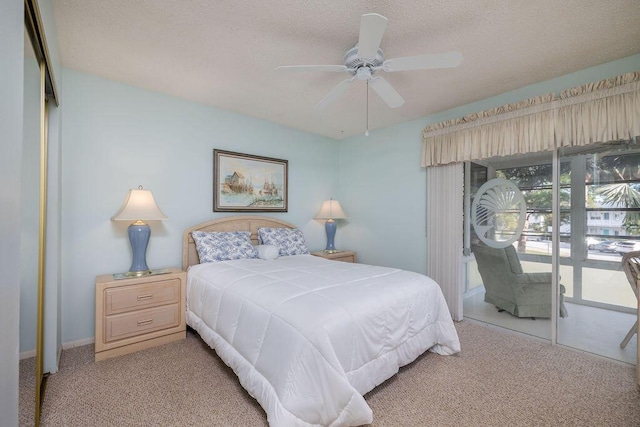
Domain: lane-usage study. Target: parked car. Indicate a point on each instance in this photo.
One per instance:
(627, 246)
(592, 242)
(606, 246)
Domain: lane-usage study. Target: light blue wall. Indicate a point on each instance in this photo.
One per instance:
(383, 187)
(11, 84)
(116, 137)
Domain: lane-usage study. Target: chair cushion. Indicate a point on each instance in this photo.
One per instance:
(512, 258)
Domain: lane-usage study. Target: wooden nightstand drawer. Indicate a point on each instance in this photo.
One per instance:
(135, 297)
(140, 322)
(344, 256)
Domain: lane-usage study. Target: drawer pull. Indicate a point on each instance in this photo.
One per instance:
(144, 297)
(144, 322)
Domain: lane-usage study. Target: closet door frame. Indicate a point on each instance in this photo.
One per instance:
(35, 30)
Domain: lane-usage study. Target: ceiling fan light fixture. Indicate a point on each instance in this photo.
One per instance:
(363, 73)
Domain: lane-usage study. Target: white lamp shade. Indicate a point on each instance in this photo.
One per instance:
(331, 209)
(139, 206)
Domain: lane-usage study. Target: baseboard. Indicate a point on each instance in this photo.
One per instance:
(65, 346)
(474, 291)
(28, 354)
(78, 343)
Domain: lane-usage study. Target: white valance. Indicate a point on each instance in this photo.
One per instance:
(605, 111)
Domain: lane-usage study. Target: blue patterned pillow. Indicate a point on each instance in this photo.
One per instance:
(223, 246)
(289, 241)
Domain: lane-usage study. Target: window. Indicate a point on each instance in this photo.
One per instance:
(613, 192)
(535, 183)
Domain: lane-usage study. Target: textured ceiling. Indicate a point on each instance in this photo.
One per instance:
(224, 53)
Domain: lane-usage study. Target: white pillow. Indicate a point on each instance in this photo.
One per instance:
(268, 251)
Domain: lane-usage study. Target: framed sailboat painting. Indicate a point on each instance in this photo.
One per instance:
(247, 183)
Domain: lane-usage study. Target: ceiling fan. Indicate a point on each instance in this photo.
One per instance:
(365, 59)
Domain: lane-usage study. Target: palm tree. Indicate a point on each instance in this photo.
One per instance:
(624, 195)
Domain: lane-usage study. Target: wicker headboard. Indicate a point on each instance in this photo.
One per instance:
(231, 223)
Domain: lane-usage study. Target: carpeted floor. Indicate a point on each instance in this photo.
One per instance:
(498, 379)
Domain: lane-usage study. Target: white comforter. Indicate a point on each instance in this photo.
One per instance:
(308, 337)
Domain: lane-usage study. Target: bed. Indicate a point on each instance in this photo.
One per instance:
(306, 336)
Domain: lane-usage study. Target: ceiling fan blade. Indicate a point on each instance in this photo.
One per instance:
(386, 92)
(423, 62)
(334, 94)
(372, 28)
(306, 68)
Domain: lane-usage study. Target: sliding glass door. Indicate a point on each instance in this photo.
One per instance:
(513, 254)
(509, 274)
(602, 226)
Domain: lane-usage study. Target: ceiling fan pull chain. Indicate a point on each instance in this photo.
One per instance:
(366, 132)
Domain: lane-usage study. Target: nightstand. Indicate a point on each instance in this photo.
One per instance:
(344, 256)
(138, 313)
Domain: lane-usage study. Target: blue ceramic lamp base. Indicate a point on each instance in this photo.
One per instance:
(139, 233)
(330, 227)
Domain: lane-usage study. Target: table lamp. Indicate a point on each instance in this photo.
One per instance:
(139, 206)
(330, 210)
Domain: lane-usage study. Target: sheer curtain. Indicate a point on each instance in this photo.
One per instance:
(445, 188)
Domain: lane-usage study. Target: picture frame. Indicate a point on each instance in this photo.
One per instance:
(249, 183)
